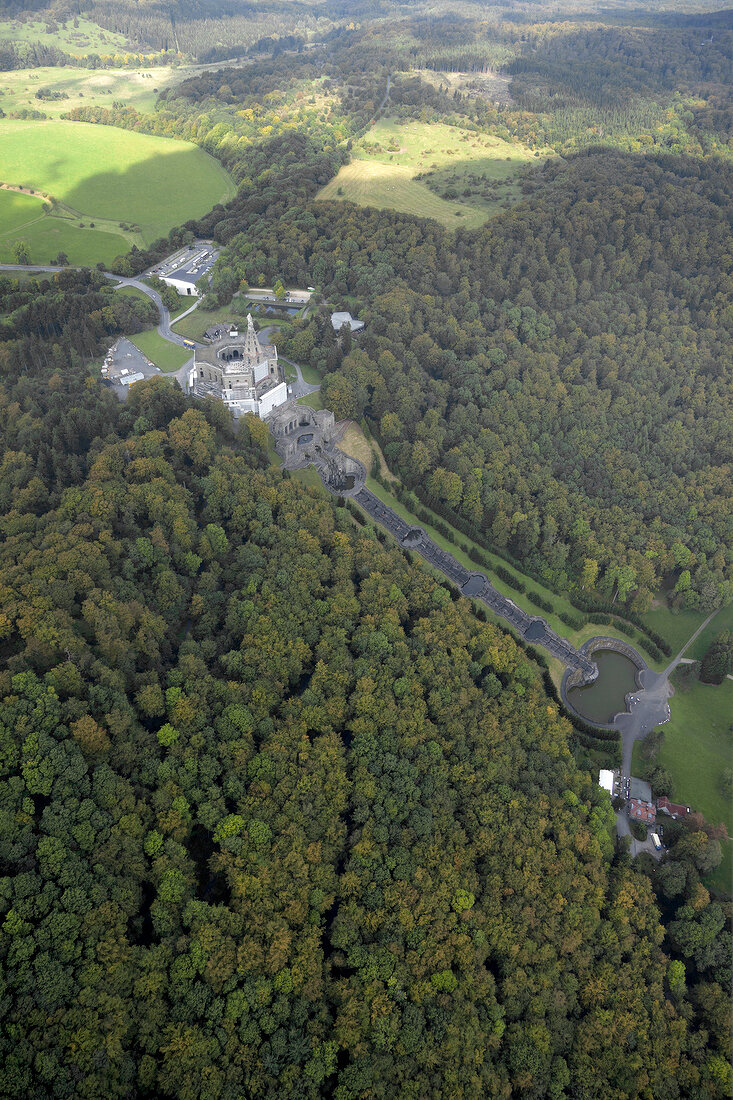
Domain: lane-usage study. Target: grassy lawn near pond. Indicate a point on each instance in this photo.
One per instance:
(698, 741)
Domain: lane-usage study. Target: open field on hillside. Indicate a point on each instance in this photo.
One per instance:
(17, 210)
(355, 443)
(493, 86)
(103, 182)
(46, 235)
(476, 175)
(78, 40)
(85, 88)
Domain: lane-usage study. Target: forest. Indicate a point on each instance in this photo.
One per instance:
(562, 383)
(280, 817)
(280, 814)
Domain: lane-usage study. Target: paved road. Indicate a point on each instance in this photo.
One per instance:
(299, 388)
(50, 268)
(164, 317)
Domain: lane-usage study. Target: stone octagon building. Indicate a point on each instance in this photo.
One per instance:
(241, 372)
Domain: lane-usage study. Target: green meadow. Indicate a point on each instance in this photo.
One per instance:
(77, 37)
(313, 399)
(698, 742)
(479, 173)
(46, 235)
(107, 188)
(85, 88)
(18, 210)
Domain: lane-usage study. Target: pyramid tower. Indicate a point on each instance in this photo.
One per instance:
(252, 351)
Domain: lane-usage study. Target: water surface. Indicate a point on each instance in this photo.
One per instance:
(605, 697)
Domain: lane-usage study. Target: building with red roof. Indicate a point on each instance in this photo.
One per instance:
(674, 809)
(646, 812)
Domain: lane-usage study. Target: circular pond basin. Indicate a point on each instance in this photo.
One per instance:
(606, 696)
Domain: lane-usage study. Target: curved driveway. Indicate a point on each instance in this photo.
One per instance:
(649, 705)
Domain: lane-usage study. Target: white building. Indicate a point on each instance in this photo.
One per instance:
(605, 780)
(338, 320)
(183, 285)
(241, 372)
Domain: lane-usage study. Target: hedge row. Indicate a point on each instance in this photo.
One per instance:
(599, 610)
(591, 605)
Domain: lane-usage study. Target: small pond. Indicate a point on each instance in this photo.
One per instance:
(303, 439)
(606, 696)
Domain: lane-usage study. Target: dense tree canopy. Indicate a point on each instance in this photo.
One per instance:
(279, 815)
(563, 382)
(269, 830)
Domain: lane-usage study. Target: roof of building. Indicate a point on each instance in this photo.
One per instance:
(343, 318)
(605, 780)
(674, 809)
(640, 810)
(640, 790)
(217, 331)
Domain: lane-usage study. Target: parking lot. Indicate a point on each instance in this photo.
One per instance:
(188, 264)
(123, 361)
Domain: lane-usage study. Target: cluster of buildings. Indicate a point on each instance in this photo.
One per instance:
(240, 371)
(641, 805)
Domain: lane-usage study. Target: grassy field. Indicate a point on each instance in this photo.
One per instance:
(167, 356)
(132, 187)
(136, 88)
(675, 626)
(18, 210)
(697, 747)
(310, 375)
(356, 444)
(722, 621)
(29, 219)
(78, 40)
(480, 172)
(312, 479)
(312, 399)
(132, 292)
(195, 324)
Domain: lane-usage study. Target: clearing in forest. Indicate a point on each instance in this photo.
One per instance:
(453, 175)
(105, 188)
(64, 88)
(77, 37)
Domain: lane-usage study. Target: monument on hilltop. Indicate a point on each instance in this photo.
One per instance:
(241, 372)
